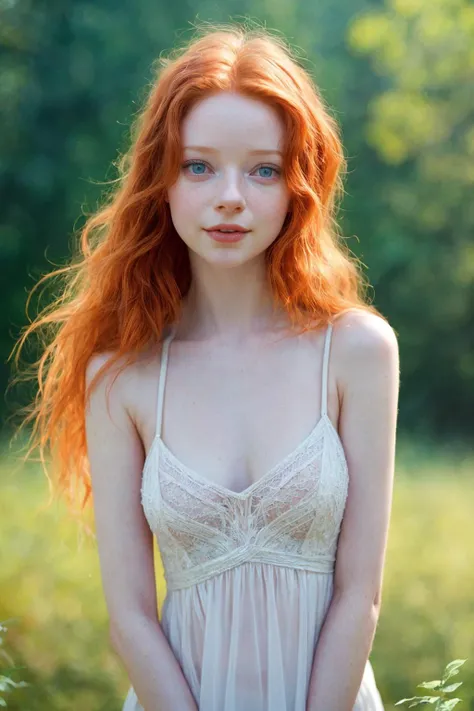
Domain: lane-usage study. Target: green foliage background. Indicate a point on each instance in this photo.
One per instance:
(398, 75)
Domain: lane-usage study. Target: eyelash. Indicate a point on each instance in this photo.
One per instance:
(201, 162)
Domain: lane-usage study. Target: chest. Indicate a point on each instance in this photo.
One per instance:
(231, 417)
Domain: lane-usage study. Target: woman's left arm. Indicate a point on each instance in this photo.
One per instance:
(365, 353)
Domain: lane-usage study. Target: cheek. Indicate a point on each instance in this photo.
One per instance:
(273, 207)
(183, 204)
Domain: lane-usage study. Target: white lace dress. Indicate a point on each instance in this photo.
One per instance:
(249, 575)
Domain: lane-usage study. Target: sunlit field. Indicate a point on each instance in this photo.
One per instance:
(52, 603)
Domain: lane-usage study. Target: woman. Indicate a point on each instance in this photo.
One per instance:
(265, 466)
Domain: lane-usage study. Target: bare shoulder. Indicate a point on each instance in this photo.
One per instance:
(364, 331)
(120, 382)
(116, 458)
(363, 342)
(112, 437)
(118, 377)
(367, 371)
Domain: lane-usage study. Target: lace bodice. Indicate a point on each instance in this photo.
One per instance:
(291, 516)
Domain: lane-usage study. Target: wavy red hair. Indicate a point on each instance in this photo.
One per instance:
(131, 270)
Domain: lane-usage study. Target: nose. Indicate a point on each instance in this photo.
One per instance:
(230, 195)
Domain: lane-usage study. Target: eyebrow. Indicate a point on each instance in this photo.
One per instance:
(207, 149)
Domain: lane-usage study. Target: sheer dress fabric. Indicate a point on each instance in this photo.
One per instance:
(249, 574)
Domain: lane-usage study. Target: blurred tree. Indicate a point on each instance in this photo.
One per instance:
(73, 74)
(422, 125)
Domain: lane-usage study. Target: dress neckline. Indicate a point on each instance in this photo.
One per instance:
(268, 475)
(319, 427)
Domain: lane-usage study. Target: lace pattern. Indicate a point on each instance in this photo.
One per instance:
(291, 516)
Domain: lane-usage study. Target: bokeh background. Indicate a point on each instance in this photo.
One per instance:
(399, 76)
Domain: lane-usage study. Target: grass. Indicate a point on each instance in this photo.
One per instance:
(51, 597)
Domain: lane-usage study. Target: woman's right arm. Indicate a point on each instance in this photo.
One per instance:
(125, 547)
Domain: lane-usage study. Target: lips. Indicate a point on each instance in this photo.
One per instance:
(227, 228)
(227, 237)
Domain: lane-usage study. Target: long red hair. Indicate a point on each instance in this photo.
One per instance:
(131, 270)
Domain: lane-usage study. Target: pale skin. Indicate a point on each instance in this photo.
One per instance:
(238, 399)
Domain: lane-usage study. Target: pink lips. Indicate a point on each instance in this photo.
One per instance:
(233, 232)
(228, 226)
(226, 236)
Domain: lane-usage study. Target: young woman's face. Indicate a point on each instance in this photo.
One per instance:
(231, 173)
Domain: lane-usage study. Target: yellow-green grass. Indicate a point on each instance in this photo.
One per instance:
(52, 602)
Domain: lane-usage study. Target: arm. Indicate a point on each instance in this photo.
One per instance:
(125, 546)
(366, 352)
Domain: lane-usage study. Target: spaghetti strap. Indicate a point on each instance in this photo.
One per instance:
(164, 365)
(324, 387)
(162, 378)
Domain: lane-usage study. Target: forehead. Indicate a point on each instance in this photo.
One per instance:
(229, 120)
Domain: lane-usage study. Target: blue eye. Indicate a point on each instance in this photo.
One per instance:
(196, 164)
(266, 167)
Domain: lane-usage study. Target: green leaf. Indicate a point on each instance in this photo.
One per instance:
(452, 687)
(419, 700)
(436, 684)
(453, 668)
(448, 704)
